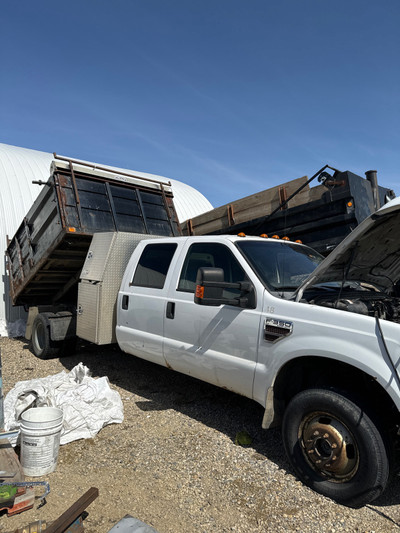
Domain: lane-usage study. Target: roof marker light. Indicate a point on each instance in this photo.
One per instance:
(285, 239)
(299, 241)
(264, 235)
(275, 237)
(241, 234)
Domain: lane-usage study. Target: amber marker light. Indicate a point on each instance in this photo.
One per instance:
(71, 229)
(199, 291)
(349, 204)
(299, 241)
(285, 239)
(264, 235)
(275, 237)
(241, 234)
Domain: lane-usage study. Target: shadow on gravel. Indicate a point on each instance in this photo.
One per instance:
(166, 389)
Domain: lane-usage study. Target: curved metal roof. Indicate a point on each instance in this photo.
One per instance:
(20, 166)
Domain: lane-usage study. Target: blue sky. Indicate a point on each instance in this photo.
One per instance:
(229, 96)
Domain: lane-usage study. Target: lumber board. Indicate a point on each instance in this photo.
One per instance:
(73, 512)
(249, 208)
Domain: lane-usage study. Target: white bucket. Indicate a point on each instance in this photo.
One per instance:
(40, 440)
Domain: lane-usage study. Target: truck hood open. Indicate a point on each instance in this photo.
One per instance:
(370, 254)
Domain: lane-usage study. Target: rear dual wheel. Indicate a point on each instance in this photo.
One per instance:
(41, 344)
(335, 447)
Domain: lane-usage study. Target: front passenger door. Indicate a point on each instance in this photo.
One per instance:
(215, 344)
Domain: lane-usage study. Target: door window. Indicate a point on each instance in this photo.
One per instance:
(153, 265)
(211, 255)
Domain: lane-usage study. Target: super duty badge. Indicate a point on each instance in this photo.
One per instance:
(275, 329)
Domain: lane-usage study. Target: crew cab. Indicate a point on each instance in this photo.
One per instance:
(313, 340)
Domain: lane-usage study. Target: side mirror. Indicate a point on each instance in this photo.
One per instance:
(210, 286)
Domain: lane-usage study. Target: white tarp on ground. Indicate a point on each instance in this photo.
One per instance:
(88, 404)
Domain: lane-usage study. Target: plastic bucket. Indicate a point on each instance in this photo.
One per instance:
(40, 440)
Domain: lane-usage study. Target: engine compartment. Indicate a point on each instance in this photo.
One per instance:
(364, 302)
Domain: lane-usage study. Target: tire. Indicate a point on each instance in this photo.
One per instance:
(41, 344)
(335, 448)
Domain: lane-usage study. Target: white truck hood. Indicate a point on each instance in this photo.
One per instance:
(370, 254)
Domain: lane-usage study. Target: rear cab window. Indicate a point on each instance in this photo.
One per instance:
(153, 265)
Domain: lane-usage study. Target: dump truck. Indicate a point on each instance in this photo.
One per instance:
(44, 259)
(313, 340)
(320, 216)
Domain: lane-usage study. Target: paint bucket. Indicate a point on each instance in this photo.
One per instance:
(40, 440)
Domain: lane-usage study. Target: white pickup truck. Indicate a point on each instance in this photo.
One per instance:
(316, 342)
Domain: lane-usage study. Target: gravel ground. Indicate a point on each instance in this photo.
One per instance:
(173, 462)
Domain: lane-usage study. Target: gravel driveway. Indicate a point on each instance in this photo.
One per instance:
(173, 462)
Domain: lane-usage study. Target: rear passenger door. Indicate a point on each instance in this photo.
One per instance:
(142, 302)
(215, 344)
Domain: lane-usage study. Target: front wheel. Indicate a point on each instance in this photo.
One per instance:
(334, 447)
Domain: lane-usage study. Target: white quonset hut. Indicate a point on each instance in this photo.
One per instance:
(19, 167)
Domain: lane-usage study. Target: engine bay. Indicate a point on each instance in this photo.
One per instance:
(369, 302)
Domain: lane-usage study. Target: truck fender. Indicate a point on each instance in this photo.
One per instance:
(62, 325)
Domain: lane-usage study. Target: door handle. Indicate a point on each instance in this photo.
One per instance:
(125, 302)
(170, 310)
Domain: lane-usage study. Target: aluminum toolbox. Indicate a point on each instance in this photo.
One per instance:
(99, 284)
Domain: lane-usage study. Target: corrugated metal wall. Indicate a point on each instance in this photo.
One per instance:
(18, 168)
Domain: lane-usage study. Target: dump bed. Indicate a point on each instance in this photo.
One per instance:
(46, 255)
(320, 216)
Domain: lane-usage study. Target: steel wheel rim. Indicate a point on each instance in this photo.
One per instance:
(39, 336)
(329, 447)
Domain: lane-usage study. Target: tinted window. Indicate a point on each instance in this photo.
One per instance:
(210, 255)
(153, 265)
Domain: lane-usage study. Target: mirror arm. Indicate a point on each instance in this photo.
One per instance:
(244, 286)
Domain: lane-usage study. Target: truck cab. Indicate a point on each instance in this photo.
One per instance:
(314, 341)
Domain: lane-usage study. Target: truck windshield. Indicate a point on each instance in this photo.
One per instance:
(281, 266)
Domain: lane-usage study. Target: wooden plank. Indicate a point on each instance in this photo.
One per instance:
(248, 208)
(71, 514)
